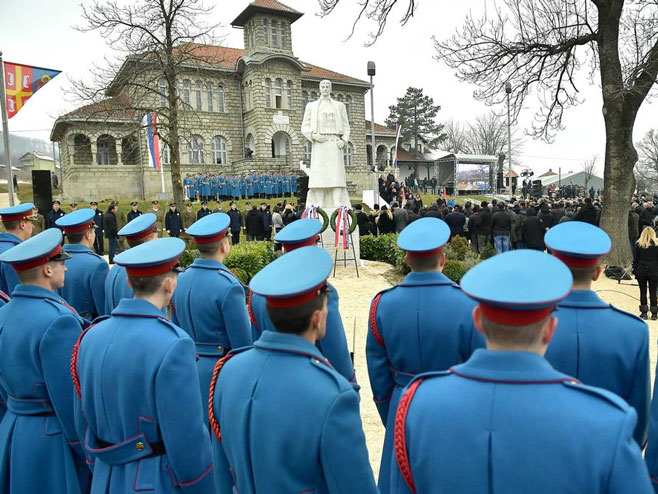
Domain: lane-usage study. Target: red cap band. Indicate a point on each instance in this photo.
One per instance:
(149, 271)
(8, 218)
(311, 241)
(211, 239)
(513, 317)
(143, 234)
(37, 262)
(79, 228)
(425, 253)
(284, 303)
(577, 262)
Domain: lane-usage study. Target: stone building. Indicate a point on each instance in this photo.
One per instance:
(241, 112)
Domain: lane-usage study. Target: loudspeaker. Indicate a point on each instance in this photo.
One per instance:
(42, 190)
(302, 188)
(537, 190)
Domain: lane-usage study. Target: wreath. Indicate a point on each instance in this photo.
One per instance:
(353, 223)
(325, 219)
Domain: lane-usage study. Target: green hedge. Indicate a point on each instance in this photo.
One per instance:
(384, 248)
(244, 261)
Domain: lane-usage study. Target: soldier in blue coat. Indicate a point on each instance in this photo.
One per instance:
(283, 419)
(506, 421)
(86, 271)
(19, 224)
(140, 230)
(298, 234)
(595, 342)
(209, 303)
(39, 447)
(423, 324)
(138, 405)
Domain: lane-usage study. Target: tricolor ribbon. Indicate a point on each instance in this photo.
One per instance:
(343, 223)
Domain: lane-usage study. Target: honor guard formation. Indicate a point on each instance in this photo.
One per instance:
(147, 377)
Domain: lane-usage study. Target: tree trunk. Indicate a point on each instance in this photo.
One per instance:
(174, 139)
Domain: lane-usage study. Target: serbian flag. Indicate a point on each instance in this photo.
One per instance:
(398, 128)
(152, 140)
(21, 82)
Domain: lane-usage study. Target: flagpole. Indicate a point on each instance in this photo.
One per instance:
(5, 132)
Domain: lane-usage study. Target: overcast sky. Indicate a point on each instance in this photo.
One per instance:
(403, 57)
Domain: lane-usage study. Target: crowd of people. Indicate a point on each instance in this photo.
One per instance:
(218, 186)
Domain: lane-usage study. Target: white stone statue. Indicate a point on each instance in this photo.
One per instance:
(327, 127)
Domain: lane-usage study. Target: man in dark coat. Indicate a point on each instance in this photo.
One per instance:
(501, 229)
(267, 221)
(533, 231)
(362, 220)
(99, 248)
(587, 213)
(456, 221)
(237, 222)
(54, 214)
(110, 229)
(254, 225)
(483, 227)
(433, 212)
(134, 212)
(204, 211)
(633, 227)
(557, 212)
(173, 221)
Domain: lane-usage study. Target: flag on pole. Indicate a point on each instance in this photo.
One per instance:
(21, 82)
(152, 140)
(398, 128)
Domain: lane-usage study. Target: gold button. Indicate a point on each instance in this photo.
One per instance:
(139, 446)
(219, 347)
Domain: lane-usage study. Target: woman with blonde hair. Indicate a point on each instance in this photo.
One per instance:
(645, 269)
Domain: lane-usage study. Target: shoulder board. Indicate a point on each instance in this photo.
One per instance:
(604, 395)
(93, 254)
(99, 319)
(342, 383)
(429, 375)
(172, 326)
(229, 276)
(628, 314)
(63, 308)
(242, 349)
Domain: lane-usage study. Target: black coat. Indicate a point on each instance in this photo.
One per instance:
(52, 217)
(364, 224)
(501, 224)
(483, 226)
(533, 232)
(173, 223)
(385, 224)
(588, 214)
(236, 219)
(133, 214)
(456, 222)
(254, 223)
(202, 213)
(110, 228)
(645, 262)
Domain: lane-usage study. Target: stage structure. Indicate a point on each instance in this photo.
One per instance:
(466, 173)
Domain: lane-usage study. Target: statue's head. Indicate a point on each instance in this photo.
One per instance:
(325, 87)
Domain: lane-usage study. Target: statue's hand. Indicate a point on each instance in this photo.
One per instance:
(319, 137)
(340, 143)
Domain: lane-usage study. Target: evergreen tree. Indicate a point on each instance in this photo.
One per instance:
(416, 114)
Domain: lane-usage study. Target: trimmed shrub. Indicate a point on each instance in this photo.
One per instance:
(454, 270)
(241, 274)
(246, 259)
(382, 248)
(458, 247)
(188, 257)
(487, 252)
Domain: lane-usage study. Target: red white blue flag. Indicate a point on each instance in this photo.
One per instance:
(152, 140)
(398, 128)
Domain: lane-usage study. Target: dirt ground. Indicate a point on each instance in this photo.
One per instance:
(356, 294)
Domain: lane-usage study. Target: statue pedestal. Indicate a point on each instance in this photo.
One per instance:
(329, 239)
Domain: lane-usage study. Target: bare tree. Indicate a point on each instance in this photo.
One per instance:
(589, 167)
(539, 46)
(156, 41)
(455, 132)
(487, 134)
(646, 170)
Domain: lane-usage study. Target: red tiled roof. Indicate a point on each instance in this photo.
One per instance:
(115, 107)
(379, 128)
(274, 5)
(321, 73)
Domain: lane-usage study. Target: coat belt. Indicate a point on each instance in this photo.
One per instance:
(30, 406)
(133, 449)
(211, 349)
(402, 379)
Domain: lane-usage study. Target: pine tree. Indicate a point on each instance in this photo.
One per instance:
(416, 114)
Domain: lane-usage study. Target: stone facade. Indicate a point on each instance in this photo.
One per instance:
(255, 129)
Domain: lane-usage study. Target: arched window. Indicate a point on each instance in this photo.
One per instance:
(278, 93)
(130, 150)
(195, 154)
(314, 95)
(266, 30)
(81, 150)
(348, 106)
(162, 90)
(165, 155)
(289, 94)
(218, 148)
(340, 98)
(268, 93)
(106, 150)
(211, 102)
(186, 93)
(304, 101)
(198, 90)
(348, 152)
(308, 148)
(221, 107)
(275, 33)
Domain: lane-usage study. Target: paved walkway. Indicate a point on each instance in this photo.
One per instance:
(4, 200)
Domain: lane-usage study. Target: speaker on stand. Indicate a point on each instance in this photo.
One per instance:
(42, 190)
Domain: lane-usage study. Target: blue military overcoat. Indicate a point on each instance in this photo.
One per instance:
(116, 288)
(140, 407)
(209, 305)
(507, 422)
(602, 346)
(333, 345)
(84, 287)
(423, 324)
(290, 423)
(39, 448)
(8, 277)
